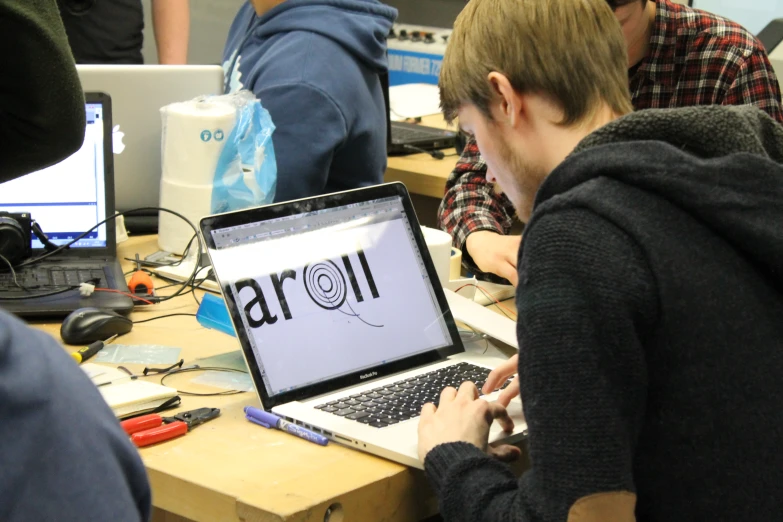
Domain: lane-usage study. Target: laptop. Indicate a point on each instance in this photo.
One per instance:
(66, 200)
(340, 316)
(411, 138)
(138, 93)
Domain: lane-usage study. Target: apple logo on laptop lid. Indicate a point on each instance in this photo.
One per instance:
(116, 138)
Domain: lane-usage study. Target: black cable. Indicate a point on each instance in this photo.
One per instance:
(129, 272)
(472, 335)
(437, 154)
(154, 264)
(13, 272)
(34, 295)
(197, 286)
(167, 286)
(163, 317)
(200, 369)
(125, 213)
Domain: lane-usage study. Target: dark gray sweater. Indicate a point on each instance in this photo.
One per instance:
(650, 329)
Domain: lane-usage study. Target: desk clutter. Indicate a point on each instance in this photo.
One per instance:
(125, 394)
(151, 429)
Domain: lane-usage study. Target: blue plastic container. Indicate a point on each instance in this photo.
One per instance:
(212, 313)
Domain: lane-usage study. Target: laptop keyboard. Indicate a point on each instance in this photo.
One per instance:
(402, 400)
(49, 278)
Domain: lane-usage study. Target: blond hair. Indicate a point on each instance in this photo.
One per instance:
(572, 51)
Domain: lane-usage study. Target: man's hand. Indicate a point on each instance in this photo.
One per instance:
(495, 253)
(498, 376)
(462, 417)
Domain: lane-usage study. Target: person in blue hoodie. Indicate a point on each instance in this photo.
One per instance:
(315, 65)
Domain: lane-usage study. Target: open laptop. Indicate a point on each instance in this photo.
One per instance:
(66, 200)
(411, 138)
(138, 92)
(340, 316)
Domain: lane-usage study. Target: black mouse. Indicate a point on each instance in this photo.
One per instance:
(87, 325)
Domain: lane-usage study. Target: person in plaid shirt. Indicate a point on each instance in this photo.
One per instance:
(678, 57)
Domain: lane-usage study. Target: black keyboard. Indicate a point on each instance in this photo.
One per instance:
(410, 134)
(50, 278)
(402, 400)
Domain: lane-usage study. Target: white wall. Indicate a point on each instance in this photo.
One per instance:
(754, 15)
(209, 23)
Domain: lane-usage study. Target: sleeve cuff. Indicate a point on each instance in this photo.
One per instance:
(444, 457)
(470, 265)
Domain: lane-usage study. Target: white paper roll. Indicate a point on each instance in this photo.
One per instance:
(439, 245)
(193, 137)
(191, 201)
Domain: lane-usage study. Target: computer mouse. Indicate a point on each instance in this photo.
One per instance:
(87, 325)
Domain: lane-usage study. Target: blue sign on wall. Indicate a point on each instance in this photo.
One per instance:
(411, 67)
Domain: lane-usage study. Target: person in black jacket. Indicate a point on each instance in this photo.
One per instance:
(112, 31)
(63, 455)
(650, 293)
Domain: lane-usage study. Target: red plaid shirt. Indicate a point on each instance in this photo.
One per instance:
(695, 58)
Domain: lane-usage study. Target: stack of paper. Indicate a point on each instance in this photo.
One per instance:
(127, 397)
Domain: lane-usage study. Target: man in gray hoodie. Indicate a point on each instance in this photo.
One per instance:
(650, 293)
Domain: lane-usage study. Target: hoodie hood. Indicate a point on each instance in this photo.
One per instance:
(719, 164)
(360, 26)
(707, 131)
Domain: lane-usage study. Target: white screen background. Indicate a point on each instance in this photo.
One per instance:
(316, 343)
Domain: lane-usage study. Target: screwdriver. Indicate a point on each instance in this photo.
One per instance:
(90, 350)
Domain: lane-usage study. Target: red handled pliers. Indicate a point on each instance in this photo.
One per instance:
(151, 429)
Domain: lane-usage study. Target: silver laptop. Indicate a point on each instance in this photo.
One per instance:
(138, 92)
(341, 319)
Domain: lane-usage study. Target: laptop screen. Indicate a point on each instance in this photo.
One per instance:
(70, 197)
(329, 292)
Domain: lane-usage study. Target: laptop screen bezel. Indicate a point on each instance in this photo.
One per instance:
(254, 215)
(110, 250)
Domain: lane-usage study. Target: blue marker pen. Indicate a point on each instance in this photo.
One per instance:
(270, 420)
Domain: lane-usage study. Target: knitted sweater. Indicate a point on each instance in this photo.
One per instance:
(650, 330)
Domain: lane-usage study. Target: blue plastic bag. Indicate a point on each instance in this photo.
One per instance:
(246, 172)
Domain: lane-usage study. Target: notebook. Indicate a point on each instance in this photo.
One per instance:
(342, 321)
(66, 200)
(124, 396)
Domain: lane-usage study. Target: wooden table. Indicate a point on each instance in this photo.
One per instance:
(229, 469)
(421, 173)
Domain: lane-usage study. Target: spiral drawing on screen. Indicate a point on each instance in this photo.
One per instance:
(326, 286)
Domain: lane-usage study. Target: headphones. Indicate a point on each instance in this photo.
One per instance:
(16, 236)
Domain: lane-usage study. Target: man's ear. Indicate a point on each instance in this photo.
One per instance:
(509, 104)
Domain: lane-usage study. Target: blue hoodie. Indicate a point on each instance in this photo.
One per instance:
(314, 65)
